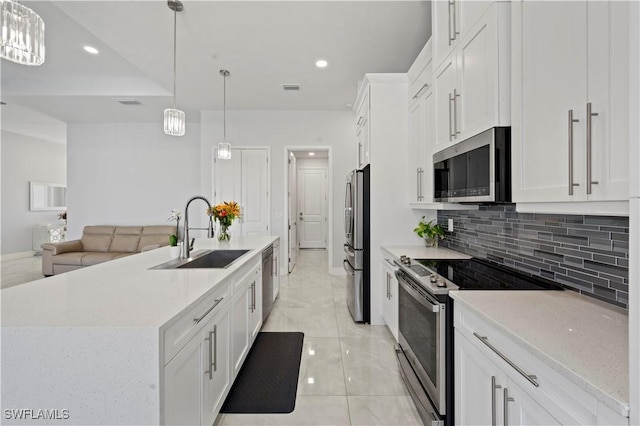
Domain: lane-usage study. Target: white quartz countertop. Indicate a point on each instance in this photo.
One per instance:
(123, 292)
(424, 252)
(582, 338)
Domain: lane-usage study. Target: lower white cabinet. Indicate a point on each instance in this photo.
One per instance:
(246, 316)
(499, 382)
(390, 300)
(198, 378)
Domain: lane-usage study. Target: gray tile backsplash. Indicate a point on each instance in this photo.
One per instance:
(589, 254)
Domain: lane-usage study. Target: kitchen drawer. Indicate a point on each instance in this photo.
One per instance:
(185, 327)
(562, 398)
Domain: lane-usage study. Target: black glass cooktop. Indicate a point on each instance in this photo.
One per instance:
(477, 274)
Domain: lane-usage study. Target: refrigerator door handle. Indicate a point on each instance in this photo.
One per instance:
(348, 268)
(349, 250)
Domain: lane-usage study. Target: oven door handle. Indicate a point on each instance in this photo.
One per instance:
(426, 301)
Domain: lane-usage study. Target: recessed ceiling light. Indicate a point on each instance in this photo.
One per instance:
(91, 50)
(312, 154)
(321, 63)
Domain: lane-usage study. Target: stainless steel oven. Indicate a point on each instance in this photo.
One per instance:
(422, 338)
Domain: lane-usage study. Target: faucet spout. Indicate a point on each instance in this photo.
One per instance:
(186, 248)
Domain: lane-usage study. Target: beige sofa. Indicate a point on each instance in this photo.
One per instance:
(101, 244)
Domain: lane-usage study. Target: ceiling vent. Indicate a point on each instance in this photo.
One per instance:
(128, 101)
(291, 86)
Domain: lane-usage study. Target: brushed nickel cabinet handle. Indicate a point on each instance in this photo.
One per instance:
(493, 400)
(215, 347)
(210, 370)
(456, 95)
(419, 92)
(451, 135)
(530, 377)
(571, 121)
(590, 114)
(450, 3)
(455, 26)
(507, 400)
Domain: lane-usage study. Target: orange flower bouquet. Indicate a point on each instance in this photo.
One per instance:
(225, 213)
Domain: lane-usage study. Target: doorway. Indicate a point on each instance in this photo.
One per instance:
(308, 201)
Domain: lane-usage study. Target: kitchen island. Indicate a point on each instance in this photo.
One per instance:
(120, 343)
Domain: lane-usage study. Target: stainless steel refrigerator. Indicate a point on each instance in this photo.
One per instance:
(356, 247)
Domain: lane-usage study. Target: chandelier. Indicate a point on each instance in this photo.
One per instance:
(224, 148)
(22, 36)
(174, 119)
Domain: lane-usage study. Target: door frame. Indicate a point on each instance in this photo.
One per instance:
(285, 224)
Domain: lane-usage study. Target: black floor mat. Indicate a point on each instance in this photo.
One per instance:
(268, 380)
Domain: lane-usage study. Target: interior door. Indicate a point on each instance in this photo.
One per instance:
(293, 213)
(227, 177)
(255, 192)
(312, 202)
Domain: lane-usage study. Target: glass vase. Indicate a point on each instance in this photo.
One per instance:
(223, 234)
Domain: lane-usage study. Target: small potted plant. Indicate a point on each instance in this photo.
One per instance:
(173, 238)
(430, 232)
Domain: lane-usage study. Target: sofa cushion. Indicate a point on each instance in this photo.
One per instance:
(156, 235)
(126, 239)
(97, 238)
(94, 258)
(73, 258)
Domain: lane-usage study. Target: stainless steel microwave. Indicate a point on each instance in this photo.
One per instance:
(476, 170)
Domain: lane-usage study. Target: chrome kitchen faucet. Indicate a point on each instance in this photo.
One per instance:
(187, 246)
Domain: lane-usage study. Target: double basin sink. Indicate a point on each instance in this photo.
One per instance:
(205, 259)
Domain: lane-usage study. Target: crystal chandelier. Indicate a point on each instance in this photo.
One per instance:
(224, 148)
(22, 37)
(174, 119)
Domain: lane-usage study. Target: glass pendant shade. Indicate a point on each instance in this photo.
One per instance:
(224, 151)
(174, 120)
(22, 36)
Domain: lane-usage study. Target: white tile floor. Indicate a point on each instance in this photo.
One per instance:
(348, 374)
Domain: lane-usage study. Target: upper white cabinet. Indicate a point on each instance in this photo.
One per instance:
(362, 129)
(570, 96)
(472, 81)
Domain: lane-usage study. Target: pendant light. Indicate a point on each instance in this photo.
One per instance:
(174, 119)
(22, 34)
(224, 148)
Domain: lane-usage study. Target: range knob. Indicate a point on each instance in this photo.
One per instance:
(433, 278)
(440, 282)
(405, 260)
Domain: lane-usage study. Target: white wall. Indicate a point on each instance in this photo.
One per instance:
(129, 174)
(25, 159)
(279, 129)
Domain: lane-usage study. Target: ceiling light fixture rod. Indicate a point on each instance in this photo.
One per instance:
(176, 6)
(224, 74)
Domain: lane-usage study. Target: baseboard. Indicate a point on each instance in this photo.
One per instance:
(18, 255)
(340, 272)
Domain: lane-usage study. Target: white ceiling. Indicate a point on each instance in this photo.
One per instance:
(264, 44)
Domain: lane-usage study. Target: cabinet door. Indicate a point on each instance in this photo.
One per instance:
(552, 74)
(469, 12)
(240, 326)
(476, 101)
(417, 142)
(608, 93)
(430, 145)
(183, 383)
(521, 409)
(362, 131)
(216, 367)
(478, 386)
(390, 297)
(445, 84)
(443, 31)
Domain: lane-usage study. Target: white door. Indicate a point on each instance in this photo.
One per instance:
(227, 176)
(312, 201)
(293, 213)
(255, 192)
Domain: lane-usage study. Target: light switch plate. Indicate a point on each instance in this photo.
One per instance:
(450, 225)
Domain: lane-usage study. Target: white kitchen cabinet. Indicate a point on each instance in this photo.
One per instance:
(362, 130)
(246, 316)
(276, 269)
(494, 376)
(570, 86)
(390, 300)
(451, 22)
(198, 378)
(472, 83)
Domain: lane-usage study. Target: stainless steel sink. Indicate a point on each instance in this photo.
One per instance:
(205, 259)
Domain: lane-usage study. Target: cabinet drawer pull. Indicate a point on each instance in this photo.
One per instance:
(450, 3)
(530, 377)
(419, 92)
(456, 33)
(456, 95)
(493, 400)
(571, 121)
(215, 347)
(217, 302)
(451, 135)
(590, 114)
